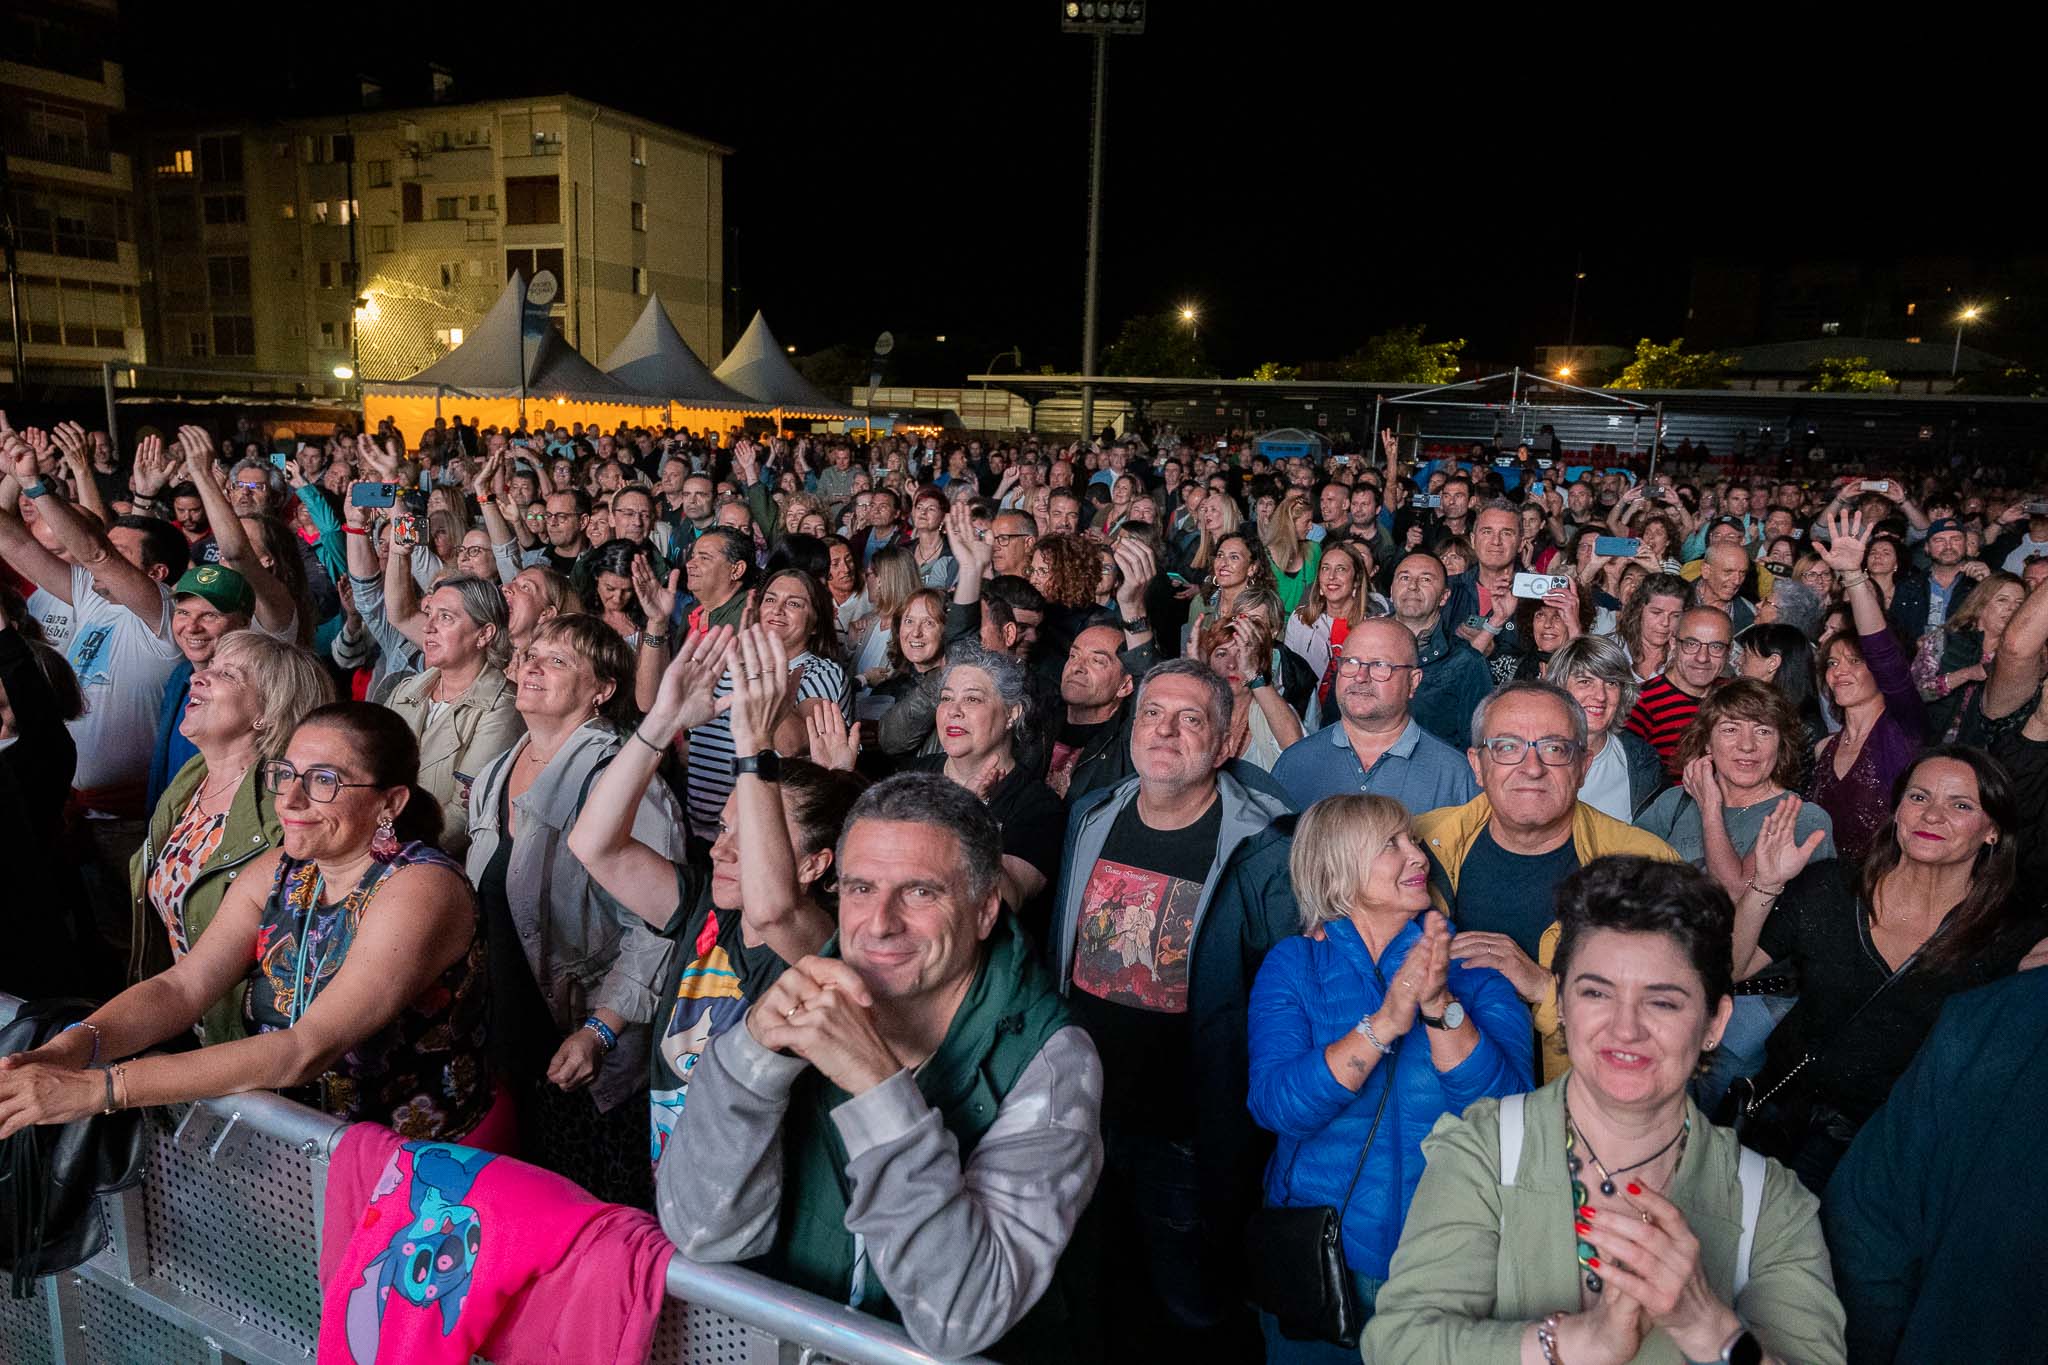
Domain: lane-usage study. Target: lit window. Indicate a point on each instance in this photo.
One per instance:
(639, 280)
(1831, 329)
(319, 210)
(177, 161)
(288, 209)
(639, 216)
(1912, 308)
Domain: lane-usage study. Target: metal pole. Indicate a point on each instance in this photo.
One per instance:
(107, 391)
(8, 231)
(1096, 120)
(1956, 358)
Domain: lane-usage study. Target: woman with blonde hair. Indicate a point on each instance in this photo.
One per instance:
(891, 582)
(1954, 659)
(1292, 555)
(1371, 967)
(1261, 724)
(1217, 517)
(216, 815)
(1340, 597)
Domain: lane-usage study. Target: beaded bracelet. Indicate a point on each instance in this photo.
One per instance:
(605, 1037)
(1546, 1339)
(93, 1060)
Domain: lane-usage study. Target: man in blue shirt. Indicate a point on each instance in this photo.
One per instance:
(1376, 746)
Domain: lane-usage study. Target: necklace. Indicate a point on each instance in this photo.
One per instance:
(234, 781)
(1587, 1252)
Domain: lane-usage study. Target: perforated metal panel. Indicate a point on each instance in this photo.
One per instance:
(236, 1229)
(117, 1332)
(689, 1335)
(25, 1328)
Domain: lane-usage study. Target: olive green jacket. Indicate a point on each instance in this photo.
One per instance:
(1478, 1263)
(252, 830)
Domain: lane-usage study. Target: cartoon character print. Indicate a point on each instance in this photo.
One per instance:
(1137, 928)
(431, 1258)
(709, 1001)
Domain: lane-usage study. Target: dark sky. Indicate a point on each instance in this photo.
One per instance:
(1305, 178)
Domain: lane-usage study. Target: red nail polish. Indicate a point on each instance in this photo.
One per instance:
(1592, 1263)
(1586, 1212)
(1581, 1228)
(1634, 1188)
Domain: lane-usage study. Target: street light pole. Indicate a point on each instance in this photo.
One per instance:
(1955, 359)
(1089, 289)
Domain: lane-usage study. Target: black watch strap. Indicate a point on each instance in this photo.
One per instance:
(766, 765)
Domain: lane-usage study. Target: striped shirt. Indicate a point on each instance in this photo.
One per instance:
(1661, 713)
(711, 749)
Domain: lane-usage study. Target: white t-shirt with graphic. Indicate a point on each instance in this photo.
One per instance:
(122, 663)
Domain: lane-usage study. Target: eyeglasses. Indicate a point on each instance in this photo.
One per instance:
(322, 784)
(1716, 649)
(1005, 537)
(1551, 752)
(1379, 670)
(561, 516)
(247, 487)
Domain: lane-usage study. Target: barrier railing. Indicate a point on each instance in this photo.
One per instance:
(214, 1259)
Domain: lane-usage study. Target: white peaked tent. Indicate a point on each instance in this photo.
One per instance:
(759, 368)
(654, 359)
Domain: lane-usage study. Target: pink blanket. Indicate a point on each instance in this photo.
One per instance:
(434, 1253)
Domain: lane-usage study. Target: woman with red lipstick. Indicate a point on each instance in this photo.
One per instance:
(1364, 1032)
(1602, 1220)
(1933, 912)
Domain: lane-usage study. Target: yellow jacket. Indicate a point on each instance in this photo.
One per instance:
(1449, 833)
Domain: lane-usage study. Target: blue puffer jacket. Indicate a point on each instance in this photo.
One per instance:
(1308, 995)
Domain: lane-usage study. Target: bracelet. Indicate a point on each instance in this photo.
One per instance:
(113, 1075)
(1765, 891)
(36, 489)
(1854, 580)
(1546, 1339)
(1256, 683)
(1364, 1030)
(93, 1060)
(355, 530)
(605, 1037)
(649, 639)
(648, 742)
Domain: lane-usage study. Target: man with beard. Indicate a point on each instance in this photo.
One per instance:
(1454, 677)
(1922, 602)
(1377, 747)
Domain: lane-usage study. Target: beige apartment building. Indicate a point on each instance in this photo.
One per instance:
(372, 242)
(72, 195)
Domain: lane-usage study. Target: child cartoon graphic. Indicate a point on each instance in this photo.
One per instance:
(432, 1255)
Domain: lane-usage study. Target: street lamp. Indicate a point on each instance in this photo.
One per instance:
(1564, 372)
(1968, 315)
(344, 372)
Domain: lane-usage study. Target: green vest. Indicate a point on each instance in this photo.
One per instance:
(1010, 1011)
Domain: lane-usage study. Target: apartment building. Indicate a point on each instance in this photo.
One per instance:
(70, 194)
(372, 242)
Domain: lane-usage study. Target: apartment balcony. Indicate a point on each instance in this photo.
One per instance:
(86, 81)
(457, 165)
(86, 168)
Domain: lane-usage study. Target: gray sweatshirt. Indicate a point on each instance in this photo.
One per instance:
(962, 1252)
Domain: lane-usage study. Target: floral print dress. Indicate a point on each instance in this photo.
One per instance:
(423, 1074)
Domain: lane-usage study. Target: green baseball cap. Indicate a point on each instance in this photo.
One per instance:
(225, 588)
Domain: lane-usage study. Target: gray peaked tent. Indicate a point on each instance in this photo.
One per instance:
(654, 359)
(759, 368)
(487, 366)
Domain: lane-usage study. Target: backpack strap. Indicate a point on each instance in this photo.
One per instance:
(1749, 1171)
(1511, 1121)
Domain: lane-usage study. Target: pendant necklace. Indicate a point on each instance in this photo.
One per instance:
(1587, 1252)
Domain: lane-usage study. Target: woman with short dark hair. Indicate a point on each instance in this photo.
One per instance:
(1603, 1219)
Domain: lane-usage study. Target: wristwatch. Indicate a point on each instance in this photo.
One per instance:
(1255, 684)
(1742, 1349)
(766, 765)
(1452, 1017)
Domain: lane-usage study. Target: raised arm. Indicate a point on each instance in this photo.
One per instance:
(402, 591)
(2016, 673)
(275, 608)
(773, 904)
(18, 545)
(1843, 551)
(113, 577)
(71, 444)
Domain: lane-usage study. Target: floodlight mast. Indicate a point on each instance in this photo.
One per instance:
(1098, 19)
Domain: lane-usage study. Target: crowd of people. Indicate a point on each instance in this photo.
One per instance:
(1061, 895)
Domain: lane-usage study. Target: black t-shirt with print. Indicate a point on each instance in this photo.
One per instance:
(1130, 973)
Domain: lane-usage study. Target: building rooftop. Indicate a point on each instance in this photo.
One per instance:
(1896, 357)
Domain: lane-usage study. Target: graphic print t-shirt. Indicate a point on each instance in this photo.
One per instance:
(1131, 955)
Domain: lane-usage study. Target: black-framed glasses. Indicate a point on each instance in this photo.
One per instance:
(1551, 750)
(1379, 670)
(1716, 649)
(322, 784)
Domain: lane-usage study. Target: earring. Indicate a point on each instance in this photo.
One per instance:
(384, 844)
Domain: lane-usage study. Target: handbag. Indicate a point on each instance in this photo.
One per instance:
(1297, 1258)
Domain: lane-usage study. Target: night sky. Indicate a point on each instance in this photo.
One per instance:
(1305, 180)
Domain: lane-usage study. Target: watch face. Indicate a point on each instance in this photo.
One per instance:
(1746, 1350)
(1454, 1015)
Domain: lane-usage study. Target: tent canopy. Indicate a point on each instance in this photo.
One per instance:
(759, 368)
(654, 359)
(487, 364)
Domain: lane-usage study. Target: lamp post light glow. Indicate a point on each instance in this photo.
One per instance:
(1968, 315)
(1564, 372)
(344, 372)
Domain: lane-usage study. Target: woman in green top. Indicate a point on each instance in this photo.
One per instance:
(1603, 1220)
(1293, 556)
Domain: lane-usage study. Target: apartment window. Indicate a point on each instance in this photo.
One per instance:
(326, 275)
(639, 216)
(177, 219)
(89, 226)
(222, 210)
(640, 280)
(412, 202)
(447, 208)
(473, 269)
(195, 343)
(348, 274)
(533, 199)
(476, 201)
(1911, 308)
(451, 274)
(288, 209)
(319, 210)
(533, 260)
(178, 161)
(342, 148)
(383, 238)
(449, 337)
(228, 276)
(220, 160)
(379, 173)
(1831, 329)
(234, 335)
(636, 144)
(327, 335)
(349, 209)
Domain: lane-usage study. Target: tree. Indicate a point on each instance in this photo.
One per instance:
(1159, 345)
(1401, 356)
(2010, 381)
(835, 369)
(1670, 367)
(1270, 371)
(1849, 374)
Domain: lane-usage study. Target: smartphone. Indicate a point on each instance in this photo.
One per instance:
(373, 495)
(277, 459)
(405, 530)
(1341, 459)
(1537, 489)
(1176, 579)
(1540, 585)
(1616, 547)
(1475, 623)
(2037, 509)
(1543, 463)
(1431, 501)
(1877, 485)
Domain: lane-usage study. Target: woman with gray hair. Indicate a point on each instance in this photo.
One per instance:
(983, 700)
(1623, 773)
(460, 707)
(1794, 604)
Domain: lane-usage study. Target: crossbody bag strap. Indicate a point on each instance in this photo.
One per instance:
(1512, 1120)
(1749, 1172)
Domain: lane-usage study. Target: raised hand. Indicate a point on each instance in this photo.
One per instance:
(834, 744)
(758, 667)
(195, 451)
(1848, 541)
(71, 443)
(1136, 562)
(969, 543)
(658, 600)
(1779, 857)
(151, 472)
(685, 699)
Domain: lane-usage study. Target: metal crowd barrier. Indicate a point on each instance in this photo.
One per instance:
(214, 1260)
